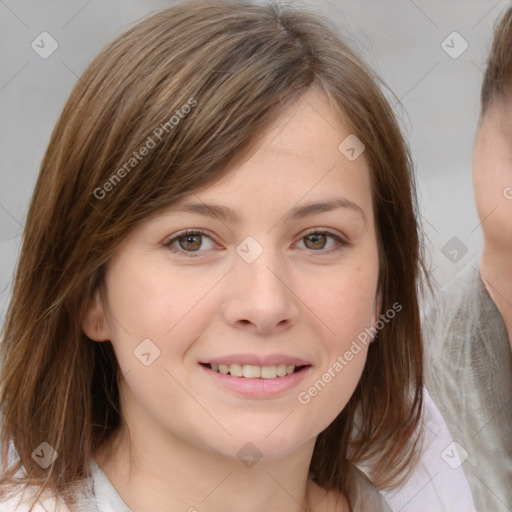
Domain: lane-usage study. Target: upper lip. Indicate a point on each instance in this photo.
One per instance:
(257, 360)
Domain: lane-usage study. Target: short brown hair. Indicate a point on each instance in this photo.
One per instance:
(498, 72)
(242, 63)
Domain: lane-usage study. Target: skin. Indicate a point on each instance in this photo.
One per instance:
(492, 181)
(295, 299)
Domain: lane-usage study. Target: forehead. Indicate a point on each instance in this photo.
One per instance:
(309, 123)
(301, 155)
(296, 169)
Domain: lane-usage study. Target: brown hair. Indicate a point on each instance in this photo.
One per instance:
(241, 63)
(498, 72)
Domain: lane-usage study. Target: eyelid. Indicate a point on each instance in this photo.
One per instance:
(184, 232)
(341, 240)
(321, 230)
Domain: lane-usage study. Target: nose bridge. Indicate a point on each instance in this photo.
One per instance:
(258, 266)
(259, 293)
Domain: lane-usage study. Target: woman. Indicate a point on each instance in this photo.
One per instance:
(221, 259)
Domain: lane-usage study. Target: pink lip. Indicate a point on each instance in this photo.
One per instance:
(257, 360)
(257, 388)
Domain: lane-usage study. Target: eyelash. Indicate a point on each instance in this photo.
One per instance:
(194, 254)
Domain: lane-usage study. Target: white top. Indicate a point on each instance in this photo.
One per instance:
(438, 484)
(99, 495)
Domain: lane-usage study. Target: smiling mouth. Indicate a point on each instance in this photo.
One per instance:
(250, 371)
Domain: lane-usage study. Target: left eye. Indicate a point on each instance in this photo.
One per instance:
(318, 240)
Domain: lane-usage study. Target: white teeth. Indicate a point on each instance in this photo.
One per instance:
(236, 370)
(251, 371)
(268, 372)
(281, 370)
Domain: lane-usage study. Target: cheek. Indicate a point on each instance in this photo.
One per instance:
(488, 184)
(326, 394)
(154, 305)
(493, 195)
(346, 310)
(155, 319)
(346, 302)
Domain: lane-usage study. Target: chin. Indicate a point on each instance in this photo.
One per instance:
(253, 445)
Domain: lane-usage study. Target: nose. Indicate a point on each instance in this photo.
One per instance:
(260, 298)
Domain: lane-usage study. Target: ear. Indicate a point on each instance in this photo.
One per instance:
(94, 323)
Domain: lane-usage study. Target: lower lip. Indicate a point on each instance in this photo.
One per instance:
(258, 388)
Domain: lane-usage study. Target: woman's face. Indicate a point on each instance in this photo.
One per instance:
(492, 175)
(275, 282)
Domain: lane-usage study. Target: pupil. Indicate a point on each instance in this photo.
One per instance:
(190, 239)
(317, 239)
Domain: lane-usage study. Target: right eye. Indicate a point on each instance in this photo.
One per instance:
(188, 242)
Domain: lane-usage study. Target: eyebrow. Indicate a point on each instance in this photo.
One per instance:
(226, 214)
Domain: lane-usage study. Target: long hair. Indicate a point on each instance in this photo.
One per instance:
(201, 81)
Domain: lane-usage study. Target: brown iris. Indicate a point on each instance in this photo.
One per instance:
(192, 242)
(317, 240)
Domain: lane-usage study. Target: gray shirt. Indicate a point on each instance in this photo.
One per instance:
(468, 371)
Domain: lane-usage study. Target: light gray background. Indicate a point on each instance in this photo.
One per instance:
(401, 39)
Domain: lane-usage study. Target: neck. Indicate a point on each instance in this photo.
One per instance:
(496, 272)
(165, 474)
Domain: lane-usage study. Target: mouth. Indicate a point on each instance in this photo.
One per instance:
(251, 371)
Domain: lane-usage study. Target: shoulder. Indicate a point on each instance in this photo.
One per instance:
(449, 321)
(449, 304)
(463, 336)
